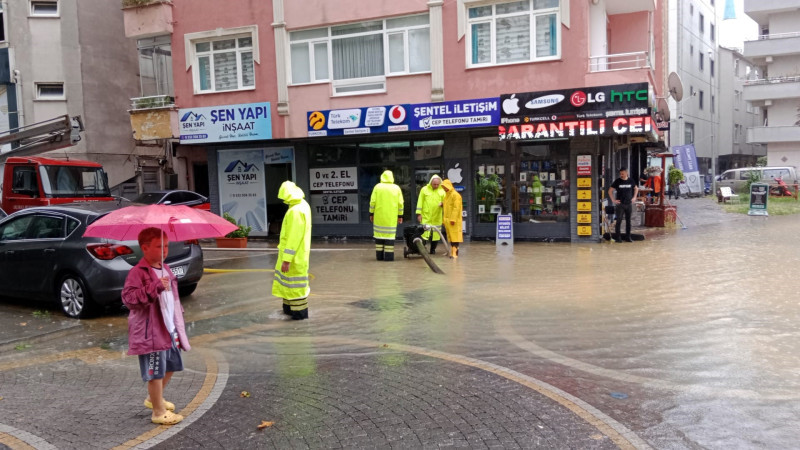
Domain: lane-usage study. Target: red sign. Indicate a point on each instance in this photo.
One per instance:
(578, 99)
(571, 128)
(584, 164)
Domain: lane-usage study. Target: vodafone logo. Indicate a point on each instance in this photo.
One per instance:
(578, 99)
(397, 114)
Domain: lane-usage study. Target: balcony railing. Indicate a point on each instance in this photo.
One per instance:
(157, 101)
(764, 37)
(620, 61)
(772, 80)
(135, 3)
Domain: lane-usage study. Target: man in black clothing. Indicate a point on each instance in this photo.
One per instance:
(623, 193)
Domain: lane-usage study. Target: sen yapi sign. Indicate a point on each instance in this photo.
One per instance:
(582, 104)
(572, 128)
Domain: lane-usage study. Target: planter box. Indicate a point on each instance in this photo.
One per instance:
(231, 242)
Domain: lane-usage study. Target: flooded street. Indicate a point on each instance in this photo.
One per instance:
(689, 339)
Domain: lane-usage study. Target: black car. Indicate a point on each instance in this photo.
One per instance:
(43, 255)
(174, 197)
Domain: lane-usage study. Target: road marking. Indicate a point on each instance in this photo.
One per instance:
(19, 439)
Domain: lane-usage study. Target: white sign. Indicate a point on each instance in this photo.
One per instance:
(227, 123)
(334, 208)
(4, 116)
(334, 180)
(242, 188)
(375, 116)
(344, 118)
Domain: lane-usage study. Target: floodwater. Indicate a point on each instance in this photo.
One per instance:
(690, 338)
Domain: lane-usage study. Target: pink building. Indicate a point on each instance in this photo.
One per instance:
(330, 93)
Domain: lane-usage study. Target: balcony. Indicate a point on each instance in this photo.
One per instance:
(774, 88)
(147, 18)
(759, 10)
(766, 135)
(629, 6)
(620, 68)
(154, 118)
(772, 45)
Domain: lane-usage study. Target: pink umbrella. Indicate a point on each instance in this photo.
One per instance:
(180, 223)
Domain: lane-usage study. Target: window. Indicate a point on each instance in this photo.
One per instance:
(513, 32)
(45, 227)
(50, 91)
(711, 66)
(358, 56)
(688, 133)
(2, 24)
(713, 33)
(155, 66)
(700, 99)
(44, 8)
(701, 60)
(691, 50)
(736, 68)
(691, 9)
(736, 133)
(702, 23)
(713, 108)
(223, 59)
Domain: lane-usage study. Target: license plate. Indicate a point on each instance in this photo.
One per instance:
(178, 271)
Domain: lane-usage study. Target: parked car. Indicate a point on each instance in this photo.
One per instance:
(736, 179)
(188, 198)
(43, 255)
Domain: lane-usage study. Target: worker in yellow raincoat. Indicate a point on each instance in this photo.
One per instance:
(429, 209)
(451, 215)
(290, 281)
(385, 212)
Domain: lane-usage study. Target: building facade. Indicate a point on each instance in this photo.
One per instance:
(330, 94)
(70, 58)
(777, 87)
(693, 54)
(736, 115)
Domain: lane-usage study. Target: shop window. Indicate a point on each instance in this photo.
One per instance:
(540, 192)
(384, 152)
(513, 32)
(333, 154)
(490, 157)
(369, 176)
(428, 149)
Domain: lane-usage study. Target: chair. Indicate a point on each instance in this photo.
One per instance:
(726, 194)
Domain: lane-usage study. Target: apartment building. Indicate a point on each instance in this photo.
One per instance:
(776, 89)
(498, 96)
(736, 115)
(70, 58)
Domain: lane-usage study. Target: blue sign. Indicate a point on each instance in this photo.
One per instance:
(685, 158)
(226, 123)
(342, 122)
(505, 227)
(482, 112)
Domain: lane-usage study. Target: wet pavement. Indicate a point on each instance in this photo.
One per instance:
(688, 339)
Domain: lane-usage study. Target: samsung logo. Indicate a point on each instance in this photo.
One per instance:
(545, 101)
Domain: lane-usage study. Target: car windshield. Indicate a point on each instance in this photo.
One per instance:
(149, 198)
(74, 181)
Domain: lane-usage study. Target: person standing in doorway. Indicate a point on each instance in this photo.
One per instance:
(290, 281)
(623, 193)
(385, 213)
(452, 217)
(429, 209)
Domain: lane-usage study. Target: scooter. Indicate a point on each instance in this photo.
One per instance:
(781, 189)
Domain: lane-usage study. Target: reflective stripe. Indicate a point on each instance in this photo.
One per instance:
(280, 274)
(289, 252)
(289, 285)
(385, 229)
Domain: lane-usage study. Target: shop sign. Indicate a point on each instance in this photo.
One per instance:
(242, 186)
(278, 155)
(342, 122)
(685, 159)
(759, 196)
(584, 218)
(584, 164)
(481, 112)
(584, 182)
(334, 195)
(584, 230)
(571, 128)
(505, 230)
(582, 103)
(229, 123)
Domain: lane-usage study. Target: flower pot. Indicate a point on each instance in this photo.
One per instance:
(224, 242)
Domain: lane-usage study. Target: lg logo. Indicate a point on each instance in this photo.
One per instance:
(580, 98)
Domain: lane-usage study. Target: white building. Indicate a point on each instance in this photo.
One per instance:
(693, 55)
(777, 89)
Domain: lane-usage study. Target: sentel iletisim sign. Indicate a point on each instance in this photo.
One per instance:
(226, 123)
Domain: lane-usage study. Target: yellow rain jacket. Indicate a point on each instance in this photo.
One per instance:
(428, 205)
(294, 246)
(386, 206)
(452, 213)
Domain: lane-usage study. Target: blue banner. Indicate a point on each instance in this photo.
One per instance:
(482, 112)
(685, 158)
(226, 123)
(341, 122)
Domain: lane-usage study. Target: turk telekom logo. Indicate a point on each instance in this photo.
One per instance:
(578, 99)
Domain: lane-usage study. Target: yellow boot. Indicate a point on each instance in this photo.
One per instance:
(454, 252)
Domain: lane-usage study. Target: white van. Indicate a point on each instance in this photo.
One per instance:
(736, 179)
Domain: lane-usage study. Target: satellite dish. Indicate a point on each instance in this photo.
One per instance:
(675, 86)
(663, 109)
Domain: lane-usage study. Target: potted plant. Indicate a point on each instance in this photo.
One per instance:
(236, 238)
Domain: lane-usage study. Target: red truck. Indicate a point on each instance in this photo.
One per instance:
(36, 181)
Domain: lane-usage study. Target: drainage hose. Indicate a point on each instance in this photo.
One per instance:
(426, 256)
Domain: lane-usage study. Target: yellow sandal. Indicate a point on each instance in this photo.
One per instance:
(168, 405)
(168, 418)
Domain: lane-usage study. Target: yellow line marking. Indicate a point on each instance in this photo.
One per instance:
(14, 443)
(208, 384)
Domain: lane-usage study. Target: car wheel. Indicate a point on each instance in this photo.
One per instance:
(73, 297)
(185, 291)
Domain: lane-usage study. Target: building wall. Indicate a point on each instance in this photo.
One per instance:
(733, 111)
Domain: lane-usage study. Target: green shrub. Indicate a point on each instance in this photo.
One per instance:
(753, 177)
(242, 232)
(675, 176)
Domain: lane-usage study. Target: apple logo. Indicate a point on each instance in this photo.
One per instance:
(511, 105)
(454, 174)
